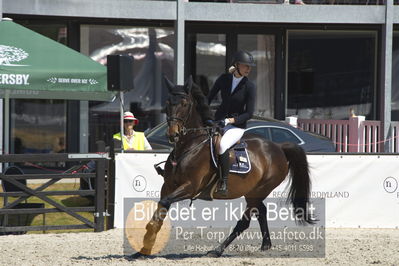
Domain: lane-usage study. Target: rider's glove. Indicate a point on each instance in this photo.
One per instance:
(210, 123)
(222, 123)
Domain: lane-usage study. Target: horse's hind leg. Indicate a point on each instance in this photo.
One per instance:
(238, 229)
(262, 219)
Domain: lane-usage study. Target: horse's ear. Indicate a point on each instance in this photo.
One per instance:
(169, 84)
(189, 84)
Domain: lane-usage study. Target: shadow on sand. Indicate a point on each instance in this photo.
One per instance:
(132, 258)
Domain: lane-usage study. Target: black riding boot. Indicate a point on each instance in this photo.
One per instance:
(224, 168)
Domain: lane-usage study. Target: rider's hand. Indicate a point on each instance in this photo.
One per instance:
(222, 123)
(210, 123)
(228, 121)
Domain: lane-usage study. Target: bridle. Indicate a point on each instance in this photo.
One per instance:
(183, 130)
(183, 121)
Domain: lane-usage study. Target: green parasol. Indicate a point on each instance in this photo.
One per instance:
(34, 66)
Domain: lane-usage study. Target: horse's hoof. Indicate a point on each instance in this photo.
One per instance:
(266, 246)
(138, 255)
(214, 254)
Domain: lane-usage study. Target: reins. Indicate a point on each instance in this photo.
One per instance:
(210, 132)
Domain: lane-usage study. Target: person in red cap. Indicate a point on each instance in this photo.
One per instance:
(132, 140)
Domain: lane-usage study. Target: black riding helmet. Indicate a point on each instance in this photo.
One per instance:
(243, 57)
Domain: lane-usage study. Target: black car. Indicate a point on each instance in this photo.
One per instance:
(271, 130)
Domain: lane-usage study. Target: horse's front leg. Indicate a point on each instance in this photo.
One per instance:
(153, 226)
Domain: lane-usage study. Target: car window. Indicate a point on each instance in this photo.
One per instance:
(280, 135)
(159, 132)
(157, 136)
(261, 131)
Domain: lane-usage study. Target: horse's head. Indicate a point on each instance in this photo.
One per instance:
(178, 108)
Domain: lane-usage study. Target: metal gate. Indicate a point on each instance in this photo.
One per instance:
(24, 192)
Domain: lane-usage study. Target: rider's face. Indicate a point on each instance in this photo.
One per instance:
(244, 69)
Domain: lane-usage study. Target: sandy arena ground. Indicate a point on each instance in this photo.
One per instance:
(343, 246)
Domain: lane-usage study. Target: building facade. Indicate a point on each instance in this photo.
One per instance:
(321, 60)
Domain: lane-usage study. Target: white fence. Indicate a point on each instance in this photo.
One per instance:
(353, 135)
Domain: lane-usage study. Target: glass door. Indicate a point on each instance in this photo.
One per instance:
(262, 47)
(395, 77)
(210, 55)
(331, 74)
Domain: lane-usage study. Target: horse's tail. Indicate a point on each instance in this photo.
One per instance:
(299, 191)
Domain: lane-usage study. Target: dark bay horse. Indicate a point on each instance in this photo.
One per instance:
(189, 170)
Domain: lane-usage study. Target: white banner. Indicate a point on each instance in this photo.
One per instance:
(360, 190)
(135, 177)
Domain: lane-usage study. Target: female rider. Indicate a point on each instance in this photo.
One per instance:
(238, 95)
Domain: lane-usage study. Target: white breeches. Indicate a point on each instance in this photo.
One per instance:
(230, 137)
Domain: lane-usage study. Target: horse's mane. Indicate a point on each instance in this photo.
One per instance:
(202, 106)
(202, 102)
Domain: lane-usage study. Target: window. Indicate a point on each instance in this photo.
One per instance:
(280, 135)
(210, 53)
(395, 77)
(260, 131)
(56, 32)
(158, 134)
(262, 47)
(209, 60)
(153, 51)
(331, 72)
(38, 126)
